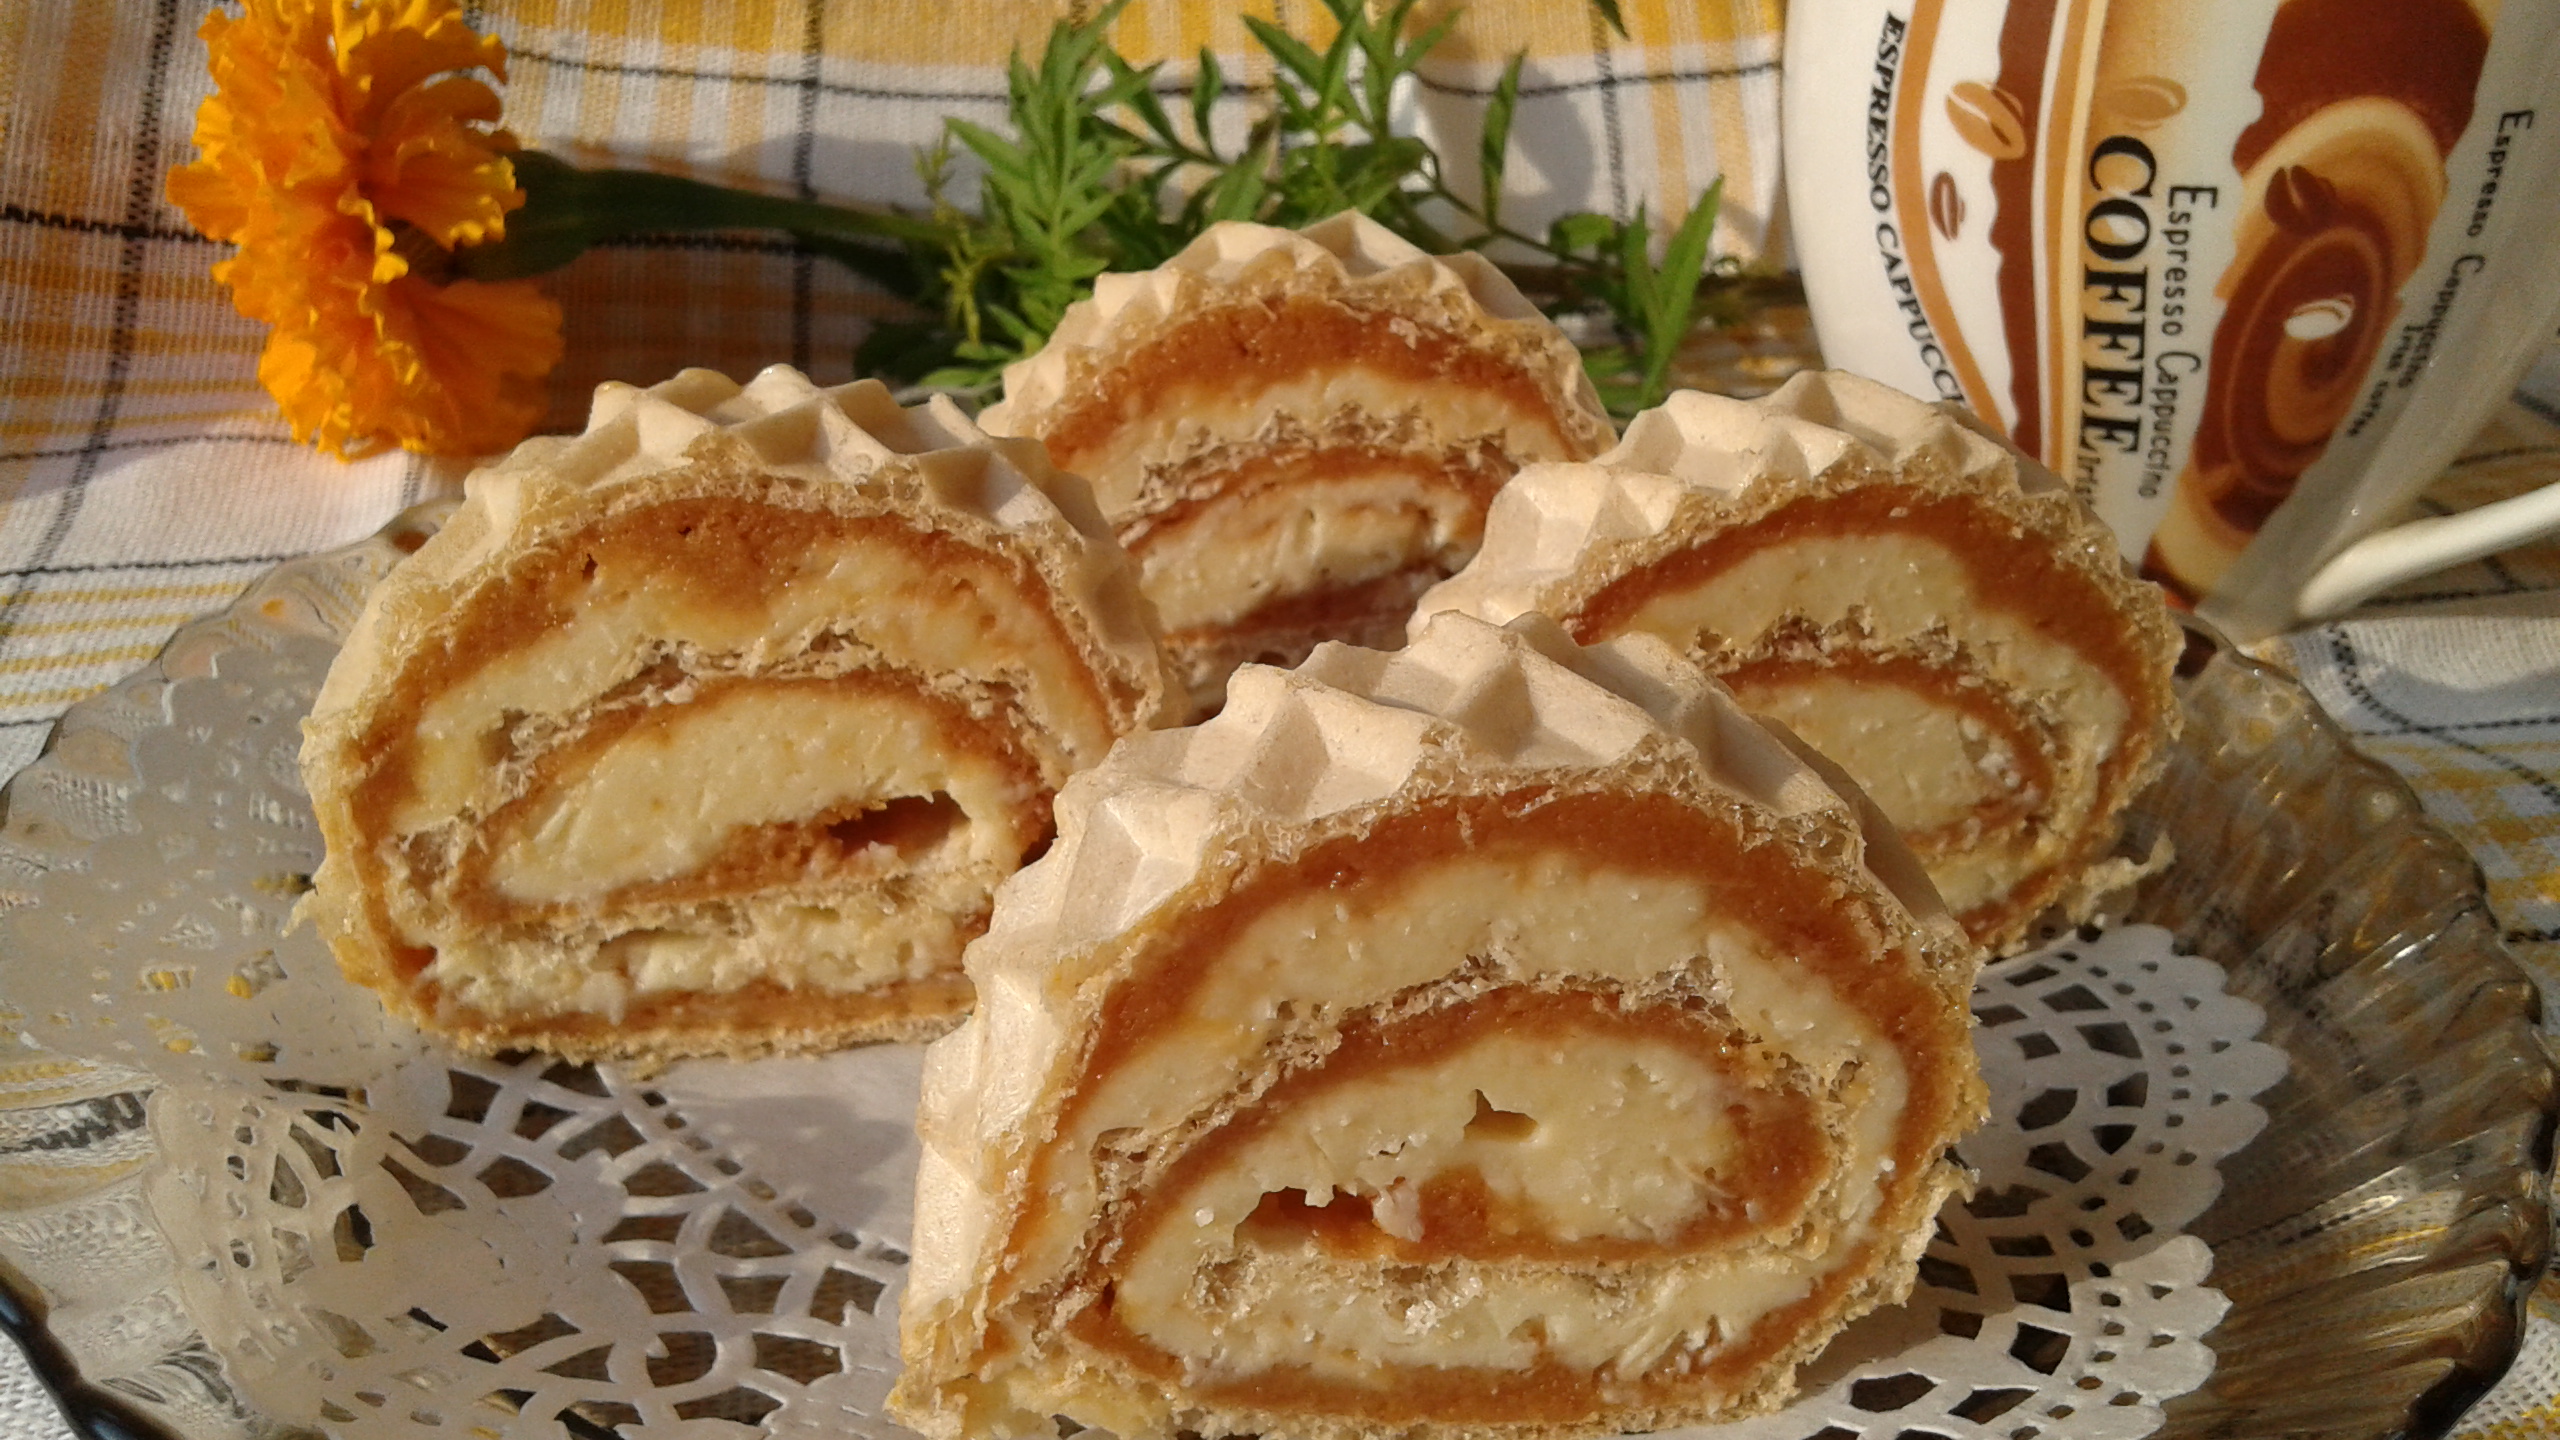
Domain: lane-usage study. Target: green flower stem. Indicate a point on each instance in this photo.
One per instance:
(568, 209)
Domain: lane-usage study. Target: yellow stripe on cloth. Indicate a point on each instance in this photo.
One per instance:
(155, 621)
(2525, 1404)
(22, 664)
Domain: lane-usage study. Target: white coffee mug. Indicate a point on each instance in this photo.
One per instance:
(2248, 272)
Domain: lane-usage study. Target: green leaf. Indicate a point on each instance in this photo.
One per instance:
(1684, 264)
(1236, 194)
(1389, 29)
(1377, 45)
(1581, 232)
(1429, 40)
(1494, 148)
(1089, 173)
(1000, 155)
(1608, 362)
(1206, 89)
(1131, 86)
(903, 347)
(1141, 96)
(1139, 234)
(1391, 57)
(1294, 54)
(1684, 258)
(1635, 265)
(1332, 98)
(1368, 174)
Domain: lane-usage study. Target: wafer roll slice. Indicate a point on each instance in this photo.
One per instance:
(1296, 432)
(1911, 596)
(712, 729)
(1495, 1038)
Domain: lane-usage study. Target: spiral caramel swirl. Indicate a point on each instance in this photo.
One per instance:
(2002, 809)
(1295, 433)
(1568, 1098)
(1923, 604)
(1458, 1127)
(2344, 202)
(696, 755)
(2343, 171)
(655, 785)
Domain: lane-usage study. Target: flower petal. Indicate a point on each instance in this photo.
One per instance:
(431, 170)
(389, 46)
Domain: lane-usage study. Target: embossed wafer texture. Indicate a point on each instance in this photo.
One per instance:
(713, 727)
(1933, 610)
(1497, 1037)
(1295, 432)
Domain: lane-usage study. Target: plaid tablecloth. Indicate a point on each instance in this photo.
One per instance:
(144, 479)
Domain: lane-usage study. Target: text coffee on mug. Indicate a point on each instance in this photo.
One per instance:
(2247, 272)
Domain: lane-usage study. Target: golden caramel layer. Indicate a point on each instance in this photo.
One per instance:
(1531, 1131)
(1226, 356)
(1260, 561)
(564, 630)
(1298, 469)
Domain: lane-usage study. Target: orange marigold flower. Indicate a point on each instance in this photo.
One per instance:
(347, 151)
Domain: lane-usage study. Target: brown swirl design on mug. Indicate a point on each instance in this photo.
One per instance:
(2314, 294)
(2346, 165)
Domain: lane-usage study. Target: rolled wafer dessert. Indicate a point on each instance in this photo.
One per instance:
(1918, 601)
(713, 728)
(1495, 1038)
(1296, 432)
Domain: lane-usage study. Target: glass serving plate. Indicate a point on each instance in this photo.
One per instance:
(2376, 1242)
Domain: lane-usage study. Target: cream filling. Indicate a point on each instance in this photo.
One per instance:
(663, 801)
(1629, 1150)
(1172, 432)
(834, 943)
(1629, 1146)
(1236, 555)
(1311, 1315)
(1925, 764)
(1313, 959)
(1905, 584)
(961, 620)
